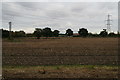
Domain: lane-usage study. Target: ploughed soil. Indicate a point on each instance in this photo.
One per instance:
(62, 71)
(57, 51)
(29, 52)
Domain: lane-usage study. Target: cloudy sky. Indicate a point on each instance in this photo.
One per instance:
(59, 15)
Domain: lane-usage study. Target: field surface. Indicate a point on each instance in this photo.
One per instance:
(61, 51)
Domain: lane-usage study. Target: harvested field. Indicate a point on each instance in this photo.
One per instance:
(60, 58)
(30, 51)
(61, 71)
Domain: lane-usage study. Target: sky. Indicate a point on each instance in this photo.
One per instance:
(59, 15)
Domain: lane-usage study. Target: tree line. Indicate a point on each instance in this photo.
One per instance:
(47, 32)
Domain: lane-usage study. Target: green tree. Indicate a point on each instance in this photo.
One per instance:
(112, 34)
(56, 33)
(69, 32)
(19, 34)
(38, 33)
(5, 33)
(47, 32)
(83, 32)
(103, 33)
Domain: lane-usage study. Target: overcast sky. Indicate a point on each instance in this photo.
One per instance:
(62, 15)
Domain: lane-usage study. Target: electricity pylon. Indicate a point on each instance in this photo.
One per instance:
(108, 23)
(10, 33)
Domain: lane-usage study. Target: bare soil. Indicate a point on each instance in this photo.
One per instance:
(61, 72)
(60, 51)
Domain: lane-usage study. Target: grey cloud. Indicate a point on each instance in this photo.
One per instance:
(57, 14)
(28, 15)
(31, 5)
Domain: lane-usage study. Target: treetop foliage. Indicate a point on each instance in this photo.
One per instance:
(47, 32)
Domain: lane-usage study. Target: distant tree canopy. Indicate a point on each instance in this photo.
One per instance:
(118, 34)
(83, 32)
(112, 34)
(103, 33)
(29, 35)
(19, 34)
(5, 33)
(56, 33)
(38, 33)
(46, 32)
(69, 32)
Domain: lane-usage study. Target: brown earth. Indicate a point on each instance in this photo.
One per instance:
(61, 72)
(70, 50)
(60, 51)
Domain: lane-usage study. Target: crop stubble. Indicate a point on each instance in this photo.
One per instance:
(71, 50)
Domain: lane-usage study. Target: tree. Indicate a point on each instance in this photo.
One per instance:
(19, 34)
(112, 34)
(56, 33)
(38, 33)
(5, 33)
(118, 33)
(47, 32)
(69, 32)
(83, 32)
(103, 33)
(29, 35)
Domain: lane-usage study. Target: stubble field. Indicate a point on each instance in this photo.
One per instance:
(61, 51)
